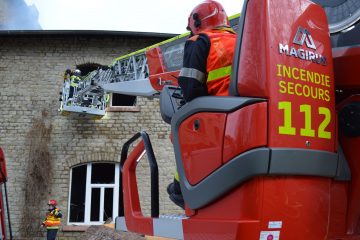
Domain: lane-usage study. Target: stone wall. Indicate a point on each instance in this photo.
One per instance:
(41, 145)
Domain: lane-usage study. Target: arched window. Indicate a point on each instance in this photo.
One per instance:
(94, 193)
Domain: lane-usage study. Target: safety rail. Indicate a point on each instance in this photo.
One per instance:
(153, 170)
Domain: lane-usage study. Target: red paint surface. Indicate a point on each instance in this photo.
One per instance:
(202, 148)
(135, 221)
(245, 129)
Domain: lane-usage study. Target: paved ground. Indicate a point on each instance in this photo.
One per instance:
(107, 232)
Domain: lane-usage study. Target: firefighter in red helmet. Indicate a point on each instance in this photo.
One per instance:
(52, 220)
(208, 52)
(207, 61)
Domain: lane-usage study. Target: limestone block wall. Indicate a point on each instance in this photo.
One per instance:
(41, 146)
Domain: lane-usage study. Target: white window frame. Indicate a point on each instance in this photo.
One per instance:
(88, 191)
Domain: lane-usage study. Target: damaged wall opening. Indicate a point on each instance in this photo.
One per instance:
(118, 100)
(94, 193)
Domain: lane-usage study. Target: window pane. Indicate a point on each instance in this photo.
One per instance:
(108, 203)
(103, 173)
(77, 195)
(121, 204)
(95, 205)
(123, 100)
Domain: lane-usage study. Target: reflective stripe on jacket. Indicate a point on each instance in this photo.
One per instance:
(219, 60)
(74, 81)
(52, 220)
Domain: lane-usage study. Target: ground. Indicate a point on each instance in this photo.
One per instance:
(108, 233)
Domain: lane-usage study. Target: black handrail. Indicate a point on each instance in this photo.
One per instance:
(153, 171)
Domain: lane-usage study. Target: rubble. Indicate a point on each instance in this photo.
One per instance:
(107, 233)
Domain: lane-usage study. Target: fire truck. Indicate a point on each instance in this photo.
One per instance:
(277, 158)
(4, 200)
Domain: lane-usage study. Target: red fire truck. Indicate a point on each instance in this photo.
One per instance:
(3, 198)
(277, 158)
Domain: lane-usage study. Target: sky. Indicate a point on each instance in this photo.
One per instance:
(162, 16)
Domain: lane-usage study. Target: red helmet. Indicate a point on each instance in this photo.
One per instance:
(52, 202)
(207, 15)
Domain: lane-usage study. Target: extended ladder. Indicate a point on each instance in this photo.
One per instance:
(140, 73)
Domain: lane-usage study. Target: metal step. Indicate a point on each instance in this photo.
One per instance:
(168, 226)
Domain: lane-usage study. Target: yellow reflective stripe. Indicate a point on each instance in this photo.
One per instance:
(234, 16)
(150, 47)
(107, 98)
(228, 29)
(219, 73)
(177, 176)
(53, 227)
(160, 43)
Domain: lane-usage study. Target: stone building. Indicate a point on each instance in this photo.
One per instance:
(47, 153)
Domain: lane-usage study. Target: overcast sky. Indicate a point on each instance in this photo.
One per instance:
(164, 16)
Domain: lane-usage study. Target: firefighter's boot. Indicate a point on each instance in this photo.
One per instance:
(175, 194)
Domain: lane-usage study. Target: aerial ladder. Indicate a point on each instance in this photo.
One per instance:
(277, 158)
(140, 73)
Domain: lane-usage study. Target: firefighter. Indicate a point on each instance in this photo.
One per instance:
(52, 220)
(74, 83)
(67, 74)
(208, 55)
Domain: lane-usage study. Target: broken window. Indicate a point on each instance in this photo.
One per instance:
(118, 100)
(94, 193)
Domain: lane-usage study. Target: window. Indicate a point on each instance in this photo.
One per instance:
(122, 103)
(94, 193)
(118, 100)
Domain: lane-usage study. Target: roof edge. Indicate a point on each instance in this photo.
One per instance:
(87, 32)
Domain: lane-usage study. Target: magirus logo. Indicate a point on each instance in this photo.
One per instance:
(303, 38)
(303, 35)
